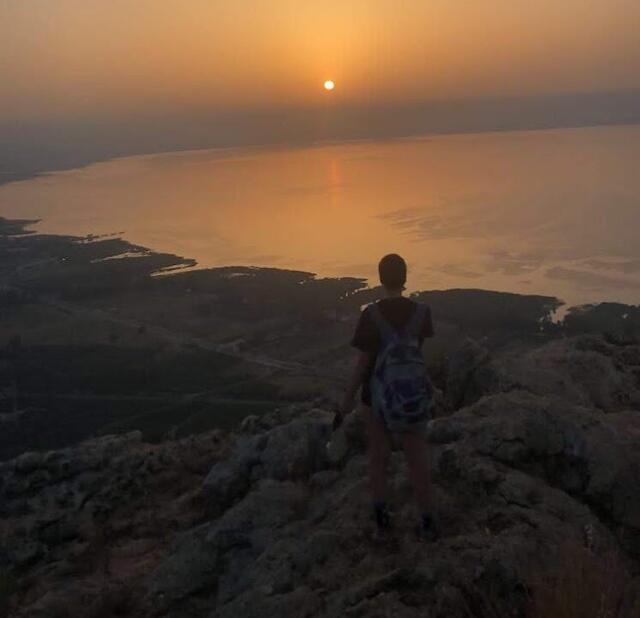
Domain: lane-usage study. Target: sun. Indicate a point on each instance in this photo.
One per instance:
(329, 85)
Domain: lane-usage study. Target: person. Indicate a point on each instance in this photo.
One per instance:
(378, 322)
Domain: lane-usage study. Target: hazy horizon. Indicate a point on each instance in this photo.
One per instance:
(32, 148)
(81, 82)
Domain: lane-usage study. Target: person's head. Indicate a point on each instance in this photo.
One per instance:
(393, 272)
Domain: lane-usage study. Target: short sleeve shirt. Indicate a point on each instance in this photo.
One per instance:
(398, 313)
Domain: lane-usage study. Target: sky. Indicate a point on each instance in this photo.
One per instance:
(83, 68)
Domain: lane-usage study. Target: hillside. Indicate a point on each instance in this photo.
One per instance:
(536, 458)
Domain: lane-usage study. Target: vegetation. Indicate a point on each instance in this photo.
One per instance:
(491, 311)
(571, 582)
(619, 322)
(181, 420)
(105, 345)
(581, 583)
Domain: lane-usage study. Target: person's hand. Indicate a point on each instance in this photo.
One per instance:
(342, 411)
(347, 405)
(337, 420)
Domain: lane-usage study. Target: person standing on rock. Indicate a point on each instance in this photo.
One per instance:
(396, 393)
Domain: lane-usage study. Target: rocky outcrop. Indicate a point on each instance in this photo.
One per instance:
(516, 475)
(591, 457)
(583, 370)
(470, 375)
(291, 451)
(536, 478)
(77, 523)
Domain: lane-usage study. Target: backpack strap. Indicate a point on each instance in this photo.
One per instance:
(385, 329)
(414, 327)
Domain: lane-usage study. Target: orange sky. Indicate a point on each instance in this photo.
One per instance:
(64, 58)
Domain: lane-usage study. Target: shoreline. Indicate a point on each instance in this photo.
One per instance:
(115, 250)
(96, 329)
(185, 264)
(27, 175)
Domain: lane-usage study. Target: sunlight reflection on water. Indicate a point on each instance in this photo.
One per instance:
(553, 212)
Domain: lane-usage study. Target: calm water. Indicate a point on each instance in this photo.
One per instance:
(554, 212)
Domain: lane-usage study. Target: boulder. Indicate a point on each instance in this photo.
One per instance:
(28, 462)
(295, 450)
(470, 375)
(73, 520)
(229, 479)
(584, 371)
(191, 567)
(591, 456)
(222, 558)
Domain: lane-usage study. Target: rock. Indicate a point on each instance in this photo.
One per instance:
(347, 440)
(592, 456)
(250, 424)
(470, 375)
(539, 452)
(375, 585)
(199, 560)
(450, 602)
(583, 371)
(26, 553)
(295, 450)
(226, 483)
(229, 480)
(59, 532)
(322, 545)
(281, 567)
(338, 449)
(444, 431)
(298, 449)
(229, 538)
(80, 511)
(324, 479)
(270, 505)
(28, 462)
(300, 603)
(192, 567)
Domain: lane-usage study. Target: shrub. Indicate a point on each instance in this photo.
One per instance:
(582, 584)
(574, 582)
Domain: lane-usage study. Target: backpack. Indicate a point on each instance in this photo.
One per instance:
(401, 390)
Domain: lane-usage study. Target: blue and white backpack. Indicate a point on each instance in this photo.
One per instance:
(401, 390)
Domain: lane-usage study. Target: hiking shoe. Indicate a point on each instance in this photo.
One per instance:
(382, 517)
(427, 531)
(382, 532)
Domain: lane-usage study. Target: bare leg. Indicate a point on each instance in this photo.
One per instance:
(378, 454)
(415, 452)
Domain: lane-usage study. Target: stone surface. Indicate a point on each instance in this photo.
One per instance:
(538, 467)
(73, 521)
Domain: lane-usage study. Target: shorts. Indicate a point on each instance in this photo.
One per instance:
(365, 397)
(365, 393)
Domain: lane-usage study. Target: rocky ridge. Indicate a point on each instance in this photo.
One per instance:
(536, 463)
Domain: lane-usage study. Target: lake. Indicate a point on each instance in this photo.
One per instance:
(551, 212)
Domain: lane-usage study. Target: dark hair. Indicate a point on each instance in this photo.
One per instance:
(393, 271)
